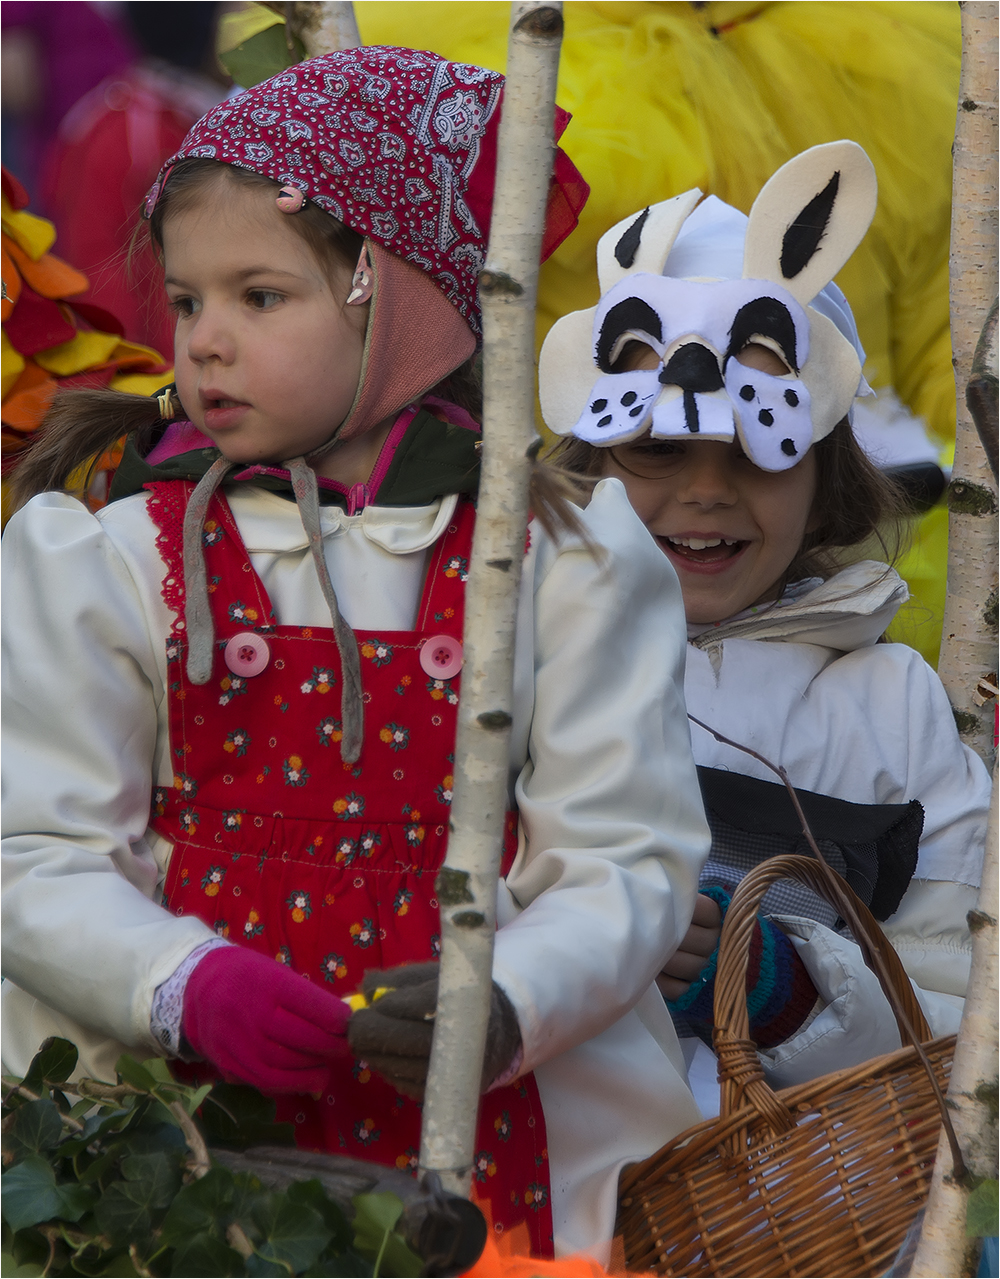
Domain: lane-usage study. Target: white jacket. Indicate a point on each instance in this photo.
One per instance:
(602, 889)
(806, 685)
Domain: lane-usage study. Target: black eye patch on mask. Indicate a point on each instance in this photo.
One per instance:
(764, 317)
(630, 313)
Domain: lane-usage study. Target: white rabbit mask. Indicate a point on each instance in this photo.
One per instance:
(804, 225)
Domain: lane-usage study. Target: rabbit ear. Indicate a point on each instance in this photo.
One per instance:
(810, 217)
(642, 242)
(566, 370)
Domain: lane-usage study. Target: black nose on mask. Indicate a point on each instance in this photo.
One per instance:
(693, 367)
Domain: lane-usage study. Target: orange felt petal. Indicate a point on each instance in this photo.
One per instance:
(50, 276)
(29, 398)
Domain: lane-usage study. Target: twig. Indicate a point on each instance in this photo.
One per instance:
(201, 1164)
(775, 768)
(28, 1095)
(237, 1239)
(107, 1092)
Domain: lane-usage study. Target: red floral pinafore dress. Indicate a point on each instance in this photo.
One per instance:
(329, 867)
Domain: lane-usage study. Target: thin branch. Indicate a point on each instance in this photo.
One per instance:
(28, 1095)
(779, 771)
(201, 1164)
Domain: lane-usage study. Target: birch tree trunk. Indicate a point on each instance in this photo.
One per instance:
(324, 27)
(968, 650)
(968, 657)
(467, 883)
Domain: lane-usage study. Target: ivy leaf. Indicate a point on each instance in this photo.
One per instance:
(135, 1074)
(30, 1195)
(294, 1234)
(201, 1207)
(312, 1194)
(237, 1116)
(55, 1060)
(203, 1254)
(159, 1178)
(262, 56)
(36, 1126)
(374, 1216)
(261, 1268)
(982, 1211)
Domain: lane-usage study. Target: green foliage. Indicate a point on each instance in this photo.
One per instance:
(262, 56)
(982, 1212)
(117, 1184)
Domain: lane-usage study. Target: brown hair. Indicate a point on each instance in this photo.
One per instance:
(82, 424)
(856, 502)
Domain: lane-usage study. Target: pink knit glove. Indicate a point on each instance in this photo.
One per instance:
(257, 1021)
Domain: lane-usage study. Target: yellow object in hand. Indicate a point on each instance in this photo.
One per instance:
(359, 1001)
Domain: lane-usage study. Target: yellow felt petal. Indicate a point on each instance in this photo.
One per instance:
(133, 353)
(13, 364)
(82, 352)
(34, 235)
(356, 1002)
(238, 27)
(141, 383)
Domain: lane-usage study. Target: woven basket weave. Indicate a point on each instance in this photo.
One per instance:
(823, 1178)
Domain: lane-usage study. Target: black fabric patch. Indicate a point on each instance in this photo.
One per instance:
(598, 406)
(768, 318)
(691, 413)
(873, 846)
(630, 313)
(802, 238)
(788, 448)
(747, 392)
(765, 417)
(791, 399)
(693, 367)
(628, 246)
(628, 398)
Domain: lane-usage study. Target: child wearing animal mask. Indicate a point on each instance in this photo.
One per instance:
(715, 380)
(232, 693)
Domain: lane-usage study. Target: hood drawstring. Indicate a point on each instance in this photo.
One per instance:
(198, 611)
(306, 493)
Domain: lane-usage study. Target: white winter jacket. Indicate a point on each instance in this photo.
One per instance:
(613, 831)
(806, 685)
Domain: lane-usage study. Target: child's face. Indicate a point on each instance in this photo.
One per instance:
(268, 358)
(701, 491)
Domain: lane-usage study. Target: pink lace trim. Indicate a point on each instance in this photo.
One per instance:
(166, 504)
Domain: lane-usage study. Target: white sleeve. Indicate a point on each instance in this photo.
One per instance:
(614, 830)
(82, 685)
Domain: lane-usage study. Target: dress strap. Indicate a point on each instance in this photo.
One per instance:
(442, 605)
(235, 590)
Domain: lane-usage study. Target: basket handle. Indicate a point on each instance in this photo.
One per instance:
(740, 1073)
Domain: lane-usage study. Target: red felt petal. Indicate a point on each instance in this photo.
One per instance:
(97, 318)
(13, 190)
(36, 324)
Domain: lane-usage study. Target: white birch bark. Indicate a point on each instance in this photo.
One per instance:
(943, 1248)
(325, 27)
(968, 650)
(968, 657)
(467, 884)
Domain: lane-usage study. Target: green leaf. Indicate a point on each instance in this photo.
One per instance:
(125, 1210)
(345, 1265)
(203, 1254)
(159, 1177)
(312, 1194)
(262, 56)
(237, 1116)
(294, 1234)
(195, 1099)
(29, 1193)
(36, 1126)
(8, 1268)
(982, 1216)
(374, 1215)
(55, 1060)
(261, 1268)
(131, 1072)
(203, 1206)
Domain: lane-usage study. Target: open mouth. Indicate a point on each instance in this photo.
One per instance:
(703, 550)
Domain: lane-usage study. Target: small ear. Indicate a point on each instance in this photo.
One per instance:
(642, 242)
(566, 370)
(810, 217)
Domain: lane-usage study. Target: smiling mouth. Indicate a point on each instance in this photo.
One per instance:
(703, 550)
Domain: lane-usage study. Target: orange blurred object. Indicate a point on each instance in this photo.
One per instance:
(52, 341)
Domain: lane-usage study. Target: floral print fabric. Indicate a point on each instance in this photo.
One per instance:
(327, 867)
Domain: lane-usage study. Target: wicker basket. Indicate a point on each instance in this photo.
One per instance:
(823, 1178)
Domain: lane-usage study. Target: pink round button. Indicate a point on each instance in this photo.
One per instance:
(247, 654)
(441, 656)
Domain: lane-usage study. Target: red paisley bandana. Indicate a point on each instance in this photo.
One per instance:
(398, 145)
